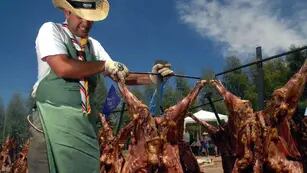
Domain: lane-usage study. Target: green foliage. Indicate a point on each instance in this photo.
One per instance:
(137, 91)
(15, 121)
(169, 96)
(275, 75)
(115, 121)
(148, 92)
(182, 87)
(295, 60)
(238, 82)
(219, 105)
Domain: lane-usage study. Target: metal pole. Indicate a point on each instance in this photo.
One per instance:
(195, 107)
(208, 96)
(175, 75)
(120, 117)
(260, 79)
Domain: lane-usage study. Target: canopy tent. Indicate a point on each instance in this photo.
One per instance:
(205, 116)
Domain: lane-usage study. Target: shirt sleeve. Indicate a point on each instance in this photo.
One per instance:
(99, 51)
(50, 41)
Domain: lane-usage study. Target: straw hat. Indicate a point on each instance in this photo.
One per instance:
(92, 10)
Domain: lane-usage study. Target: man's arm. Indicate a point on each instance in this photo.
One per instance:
(65, 67)
(164, 71)
(138, 79)
(74, 69)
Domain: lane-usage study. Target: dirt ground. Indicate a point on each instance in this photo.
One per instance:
(210, 164)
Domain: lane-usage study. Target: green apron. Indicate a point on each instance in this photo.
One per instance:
(70, 135)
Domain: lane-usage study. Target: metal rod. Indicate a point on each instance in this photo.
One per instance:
(208, 96)
(263, 60)
(121, 117)
(213, 101)
(176, 75)
(195, 107)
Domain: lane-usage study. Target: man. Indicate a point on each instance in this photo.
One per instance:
(69, 64)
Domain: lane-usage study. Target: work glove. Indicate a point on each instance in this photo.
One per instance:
(164, 71)
(116, 70)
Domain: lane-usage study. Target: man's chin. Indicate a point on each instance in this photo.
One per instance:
(82, 35)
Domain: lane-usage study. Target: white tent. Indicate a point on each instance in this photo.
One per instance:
(206, 116)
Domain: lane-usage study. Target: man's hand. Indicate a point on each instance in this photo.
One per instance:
(164, 71)
(116, 70)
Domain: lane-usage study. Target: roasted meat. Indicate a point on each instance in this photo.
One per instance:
(155, 138)
(245, 129)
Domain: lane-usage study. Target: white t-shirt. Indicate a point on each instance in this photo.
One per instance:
(51, 40)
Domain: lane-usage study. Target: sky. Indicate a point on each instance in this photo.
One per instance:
(192, 35)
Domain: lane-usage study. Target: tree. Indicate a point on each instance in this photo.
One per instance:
(137, 91)
(148, 92)
(169, 96)
(238, 82)
(182, 87)
(275, 75)
(16, 124)
(295, 61)
(219, 106)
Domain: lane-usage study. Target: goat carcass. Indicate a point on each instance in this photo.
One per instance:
(111, 158)
(20, 165)
(154, 145)
(246, 130)
(5, 158)
(187, 159)
(281, 151)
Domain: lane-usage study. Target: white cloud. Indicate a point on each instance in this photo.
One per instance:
(242, 25)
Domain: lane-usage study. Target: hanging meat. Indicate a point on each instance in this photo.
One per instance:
(111, 158)
(245, 129)
(187, 159)
(264, 141)
(5, 158)
(20, 164)
(222, 139)
(281, 153)
(302, 140)
(154, 145)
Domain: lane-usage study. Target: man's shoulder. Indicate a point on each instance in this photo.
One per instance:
(94, 42)
(50, 26)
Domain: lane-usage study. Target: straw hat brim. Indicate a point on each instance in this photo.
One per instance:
(100, 13)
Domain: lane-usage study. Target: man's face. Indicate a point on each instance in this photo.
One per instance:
(78, 26)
